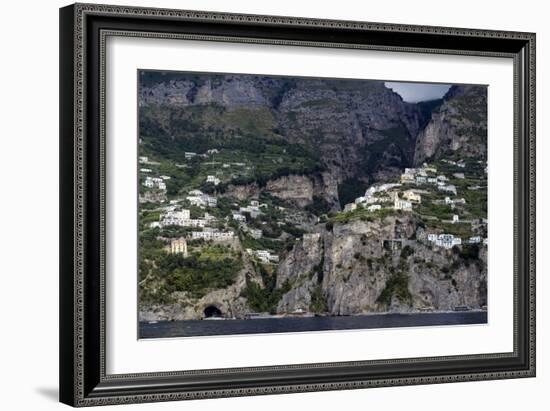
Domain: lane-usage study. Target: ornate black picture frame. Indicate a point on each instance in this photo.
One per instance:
(83, 31)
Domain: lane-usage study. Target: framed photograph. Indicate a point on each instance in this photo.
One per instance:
(261, 204)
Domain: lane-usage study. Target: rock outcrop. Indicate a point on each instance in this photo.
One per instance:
(458, 126)
(360, 273)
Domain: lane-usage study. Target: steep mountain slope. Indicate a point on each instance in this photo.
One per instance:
(359, 130)
(457, 127)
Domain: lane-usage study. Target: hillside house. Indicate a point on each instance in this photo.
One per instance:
(450, 188)
(374, 207)
(154, 182)
(239, 218)
(410, 195)
(213, 235)
(445, 240)
(179, 246)
(255, 233)
(213, 180)
(399, 204)
(189, 155)
(350, 207)
(264, 255)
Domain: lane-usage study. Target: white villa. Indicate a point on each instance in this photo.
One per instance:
(399, 204)
(255, 233)
(213, 235)
(444, 240)
(201, 200)
(374, 207)
(474, 240)
(189, 155)
(179, 246)
(253, 209)
(447, 188)
(213, 179)
(152, 182)
(263, 255)
(239, 217)
(213, 151)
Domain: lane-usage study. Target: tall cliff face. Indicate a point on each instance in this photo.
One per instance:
(352, 271)
(458, 126)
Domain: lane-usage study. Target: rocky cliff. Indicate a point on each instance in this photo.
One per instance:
(457, 126)
(363, 267)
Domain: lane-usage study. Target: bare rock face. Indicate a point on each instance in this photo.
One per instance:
(358, 274)
(298, 189)
(458, 125)
(301, 261)
(242, 192)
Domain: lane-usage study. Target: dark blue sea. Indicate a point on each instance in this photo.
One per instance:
(191, 328)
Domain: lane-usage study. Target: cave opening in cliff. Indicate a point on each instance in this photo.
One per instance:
(212, 312)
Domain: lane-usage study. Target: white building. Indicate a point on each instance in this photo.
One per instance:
(374, 207)
(447, 188)
(255, 233)
(195, 192)
(152, 182)
(145, 170)
(213, 235)
(432, 237)
(239, 217)
(399, 204)
(189, 155)
(350, 207)
(460, 176)
(263, 255)
(407, 178)
(213, 179)
(474, 240)
(213, 151)
(254, 211)
(444, 240)
(455, 219)
(179, 246)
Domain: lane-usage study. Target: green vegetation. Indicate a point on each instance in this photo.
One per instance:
(264, 299)
(350, 189)
(212, 268)
(397, 285)
(319, 206)
(318, 301)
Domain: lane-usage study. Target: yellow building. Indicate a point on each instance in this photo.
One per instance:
(412, 196)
